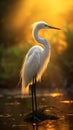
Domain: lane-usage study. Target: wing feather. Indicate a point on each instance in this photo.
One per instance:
(31, 65)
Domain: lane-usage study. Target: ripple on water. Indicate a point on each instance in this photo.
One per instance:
(6, 115)
(12, 103)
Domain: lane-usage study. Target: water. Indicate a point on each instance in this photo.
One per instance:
(13, 108)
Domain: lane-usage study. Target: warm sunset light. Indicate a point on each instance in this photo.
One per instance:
(50, 11)
(67, 101)
(56, 94)
(24, 13)
(36, 64)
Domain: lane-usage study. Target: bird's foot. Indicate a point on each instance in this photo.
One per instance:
(36, 119)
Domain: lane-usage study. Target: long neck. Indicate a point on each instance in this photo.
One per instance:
(41, 40)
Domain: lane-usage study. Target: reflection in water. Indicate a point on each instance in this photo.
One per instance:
(51, 125)
(67, 101)
(56, 94)
(35, 127)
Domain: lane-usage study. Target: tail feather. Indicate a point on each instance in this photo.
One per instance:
(25, 90)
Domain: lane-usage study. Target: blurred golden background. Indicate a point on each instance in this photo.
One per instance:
(17, 17)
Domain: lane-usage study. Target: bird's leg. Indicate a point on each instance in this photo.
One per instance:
(34, 102)
(35, 95)
(33, 109)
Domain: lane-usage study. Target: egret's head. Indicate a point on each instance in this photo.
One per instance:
(43, 25)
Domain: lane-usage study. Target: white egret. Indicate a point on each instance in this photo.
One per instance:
(36, 62)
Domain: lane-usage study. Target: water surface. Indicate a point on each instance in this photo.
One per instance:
(14, 107)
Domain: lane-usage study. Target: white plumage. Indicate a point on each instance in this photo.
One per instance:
(36, 59)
